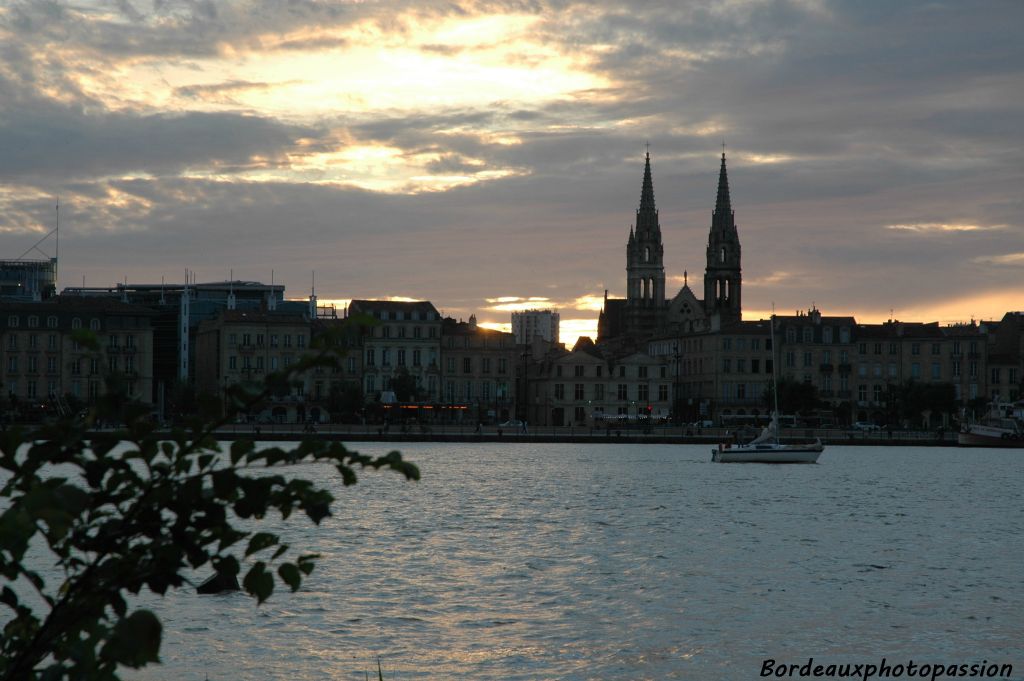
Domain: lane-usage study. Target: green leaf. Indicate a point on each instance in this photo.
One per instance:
(260, 541)
(291, 575)
(258, 582)
(135, 641)
(239, 448)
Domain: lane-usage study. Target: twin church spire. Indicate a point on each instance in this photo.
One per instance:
(645, 271)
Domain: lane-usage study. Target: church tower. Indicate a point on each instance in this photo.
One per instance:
(645, 270)
(723, 278)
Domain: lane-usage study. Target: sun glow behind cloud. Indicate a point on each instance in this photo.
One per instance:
(451, 62)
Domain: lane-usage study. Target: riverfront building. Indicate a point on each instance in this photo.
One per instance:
(43, 368)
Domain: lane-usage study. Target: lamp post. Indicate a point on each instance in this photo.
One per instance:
(676, 403)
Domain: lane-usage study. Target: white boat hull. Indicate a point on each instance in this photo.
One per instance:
(974, 438)
(768, 453)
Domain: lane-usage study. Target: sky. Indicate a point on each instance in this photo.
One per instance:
(488, 156)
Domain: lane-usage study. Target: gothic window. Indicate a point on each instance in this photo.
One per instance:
(721, 255)
(647, 254)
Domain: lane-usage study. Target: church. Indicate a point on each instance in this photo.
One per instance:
(645, 312)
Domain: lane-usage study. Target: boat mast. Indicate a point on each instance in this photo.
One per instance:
(775, 383)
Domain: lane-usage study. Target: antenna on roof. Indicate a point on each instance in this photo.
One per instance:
(312, 297)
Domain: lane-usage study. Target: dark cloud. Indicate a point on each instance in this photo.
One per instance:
(875, 113)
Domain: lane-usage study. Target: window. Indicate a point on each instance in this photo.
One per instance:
(790, 334)
(502, 365)
(807, 359)
(259, 363)
(94, 324)
(33, 342)
(598, 370)
(755, 366)
(936, 348)
(642, 372)
(826, 334)
(741, 366)
(790, 359)
(956, 368)
(577, 391)
(12, 321)
(726, 365)
(287, 340)
(300, 340)
(622, 371)
(51, 322)
(232, 362)
(559, 391)
(599, 391)
(259, 339)
(996, 375)
(844, 334)
(936, 371)
(663, 392)
(33, 321)
(467, 365)
(385, 357)
(450, 365)
(915, 348)
(577, 370)
(76, 323)
(12, 364)
(878, 348)
(416, 359)
(643, 392)
(862, 393)
(808, 334)
(915, 370)
(878, 393)
(727, 343)
(622, 394)
(370, 356)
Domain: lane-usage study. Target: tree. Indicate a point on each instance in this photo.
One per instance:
(795, 397)
(136, 509)
(404, 385)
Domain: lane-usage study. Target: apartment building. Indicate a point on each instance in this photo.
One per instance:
(477, 372)
(42, 362)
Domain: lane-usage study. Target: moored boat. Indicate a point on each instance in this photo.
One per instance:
(1002, 426)
(766, 447)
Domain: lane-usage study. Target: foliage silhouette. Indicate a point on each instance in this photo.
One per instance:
(135, 508)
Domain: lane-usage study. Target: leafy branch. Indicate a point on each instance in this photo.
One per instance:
(132, 509)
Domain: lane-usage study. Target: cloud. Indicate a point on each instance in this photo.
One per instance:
(939, 227)
(1006, 259)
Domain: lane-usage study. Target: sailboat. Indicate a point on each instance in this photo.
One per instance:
(766, 448)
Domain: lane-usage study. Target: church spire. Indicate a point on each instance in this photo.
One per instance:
(722, 218)
(647, 214)
(647, 193)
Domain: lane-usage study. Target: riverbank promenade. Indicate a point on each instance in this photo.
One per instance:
(666, 434)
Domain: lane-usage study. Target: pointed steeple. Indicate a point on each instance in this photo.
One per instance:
(722, 218)
(647, 214)
(647, 193)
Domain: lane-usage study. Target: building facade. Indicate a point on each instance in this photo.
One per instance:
(477, 372)
(531, 324)
(44, 366)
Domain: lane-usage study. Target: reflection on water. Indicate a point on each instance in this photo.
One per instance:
(540, 561)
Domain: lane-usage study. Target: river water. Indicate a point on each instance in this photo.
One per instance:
(545, 561)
